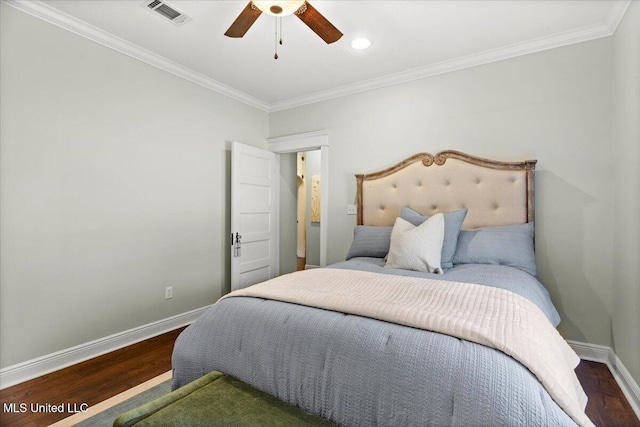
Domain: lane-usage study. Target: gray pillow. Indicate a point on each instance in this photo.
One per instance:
(452, 223)
(370, 241)
(510, 245)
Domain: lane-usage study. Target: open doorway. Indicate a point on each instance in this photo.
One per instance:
(287, 148)
(308, 210)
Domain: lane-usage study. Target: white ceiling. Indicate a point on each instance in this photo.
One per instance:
(410, 39)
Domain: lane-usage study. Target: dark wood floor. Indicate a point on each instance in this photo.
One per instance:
(90, 382)
(103, 377)
(607, 405)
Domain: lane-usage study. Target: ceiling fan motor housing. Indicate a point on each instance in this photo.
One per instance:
(278, 7)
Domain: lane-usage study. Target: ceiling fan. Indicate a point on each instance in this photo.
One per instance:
(300, 8)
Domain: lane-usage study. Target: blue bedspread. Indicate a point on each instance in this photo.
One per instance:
(358, 371)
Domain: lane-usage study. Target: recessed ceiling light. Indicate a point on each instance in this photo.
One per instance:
(360, 43)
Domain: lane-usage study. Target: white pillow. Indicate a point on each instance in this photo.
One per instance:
(417, 248)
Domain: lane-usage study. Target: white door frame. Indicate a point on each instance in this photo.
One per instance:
(309, 141)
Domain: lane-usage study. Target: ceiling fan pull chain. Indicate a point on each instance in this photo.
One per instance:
(275, 56)
(280, 19)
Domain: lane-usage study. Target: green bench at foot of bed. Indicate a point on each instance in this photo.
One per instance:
(218, 400)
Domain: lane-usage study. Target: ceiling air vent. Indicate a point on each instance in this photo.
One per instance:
(167, 11)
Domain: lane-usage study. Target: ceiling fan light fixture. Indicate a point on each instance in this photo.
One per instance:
(278, 8)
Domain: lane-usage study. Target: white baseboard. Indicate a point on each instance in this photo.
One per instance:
(34, 368)
(310, 266)
(603, 354)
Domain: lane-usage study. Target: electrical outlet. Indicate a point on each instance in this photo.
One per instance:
(168, 292)
(352, 209)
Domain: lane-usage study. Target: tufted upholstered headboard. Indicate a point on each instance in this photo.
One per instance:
(495, 193)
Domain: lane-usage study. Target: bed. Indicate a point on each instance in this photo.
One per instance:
(436, 317)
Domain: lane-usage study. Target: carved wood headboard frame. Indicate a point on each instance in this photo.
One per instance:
(495, 193)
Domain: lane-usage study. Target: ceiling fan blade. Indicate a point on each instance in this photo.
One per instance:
(319, 24)
(243, 22)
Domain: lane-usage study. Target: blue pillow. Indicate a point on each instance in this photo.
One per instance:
(452, 223)
(370, 241)
(510, 245)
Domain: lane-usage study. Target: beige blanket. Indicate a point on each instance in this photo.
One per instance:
(489, 316)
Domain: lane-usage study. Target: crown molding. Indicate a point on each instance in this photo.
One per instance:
(616, 14)
(579, 35)
(43, 11)
(56, 17)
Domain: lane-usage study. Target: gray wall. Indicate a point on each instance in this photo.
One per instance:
(554, 106)
(114, 185)
(626, 179)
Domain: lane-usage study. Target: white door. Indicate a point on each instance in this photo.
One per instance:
(254, 215)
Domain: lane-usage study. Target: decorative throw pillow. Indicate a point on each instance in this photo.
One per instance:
(452, 223)
(510, 245)
(370, 241)
(417, 248)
